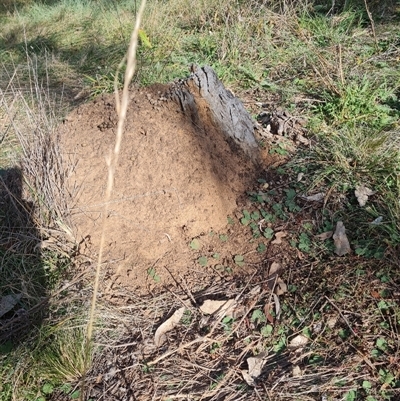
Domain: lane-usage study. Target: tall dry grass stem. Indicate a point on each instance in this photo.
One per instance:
(112, 159)
(371, 19)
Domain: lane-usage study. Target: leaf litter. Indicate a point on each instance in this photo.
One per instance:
(342, 244)
(255, 366)
(212, 360)
(362, 194)
(278, 237)
(221, 308)
(160, 335)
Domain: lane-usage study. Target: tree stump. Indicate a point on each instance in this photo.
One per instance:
(204, 96)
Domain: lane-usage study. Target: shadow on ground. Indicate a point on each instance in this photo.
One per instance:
(22, 275)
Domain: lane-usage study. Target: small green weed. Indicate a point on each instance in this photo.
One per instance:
(225, 269)
(351, 395)
(280, 345)
(239, 260)
(381, 344)
(359, 103)
(195, 244)
(227, 323)
(223, 237)
(387, 377)
(260, 197)
(304, 243)
(279, 210)
(187, 318)
(202, 261)
(47, 388)
(215, 347)
(268, 217)
(290, 200)
(267, 330)
(258, 316)
(366, 385)
(246, 219)
(255, 230)
(280, 149)
(315, 359)
(268, 233)
(147, 369)
(152, 273)
(261, 248)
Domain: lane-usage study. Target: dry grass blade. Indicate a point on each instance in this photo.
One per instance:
(113, 160)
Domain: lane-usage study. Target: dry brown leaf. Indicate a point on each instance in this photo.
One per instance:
(278, 237)
(224, 308)
(300, 255)
(267, 313)
(160, 335)
(362, 193)
(317, 327)
(314, 198)
(280, 287)
(8, 302)
(302, 139)
(342, 245)
(248, 379)
(298, 341)
(275, 267)
(45, 244)
(255, 364)
(324, 236)
(296, 371)
(277, 306)
(331, 322)
(254, 291)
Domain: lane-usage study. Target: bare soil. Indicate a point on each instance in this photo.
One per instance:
(176, 181)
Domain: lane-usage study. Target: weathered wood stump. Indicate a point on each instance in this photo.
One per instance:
(204, 96)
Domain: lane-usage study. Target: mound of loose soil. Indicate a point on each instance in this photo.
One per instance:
(176, 180)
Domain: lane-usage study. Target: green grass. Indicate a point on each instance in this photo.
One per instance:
(327, 67)
(33, 370)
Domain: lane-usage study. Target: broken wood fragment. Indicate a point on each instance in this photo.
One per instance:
(203, 95)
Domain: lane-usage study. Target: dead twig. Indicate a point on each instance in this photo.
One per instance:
(372, 23)
(342, 316)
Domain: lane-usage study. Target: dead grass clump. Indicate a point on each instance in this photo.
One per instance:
(33, 121)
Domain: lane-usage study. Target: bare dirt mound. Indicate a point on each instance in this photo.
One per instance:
(177, 179)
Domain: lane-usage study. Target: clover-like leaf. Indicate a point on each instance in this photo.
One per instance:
(195, 244)
(47, 388)
(223, 237)
(239, 260)
(202, 261)
(268, 233)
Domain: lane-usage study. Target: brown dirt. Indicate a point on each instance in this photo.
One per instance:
(175, 182)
